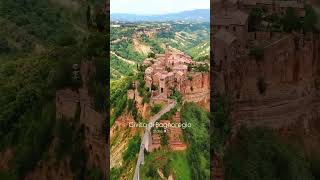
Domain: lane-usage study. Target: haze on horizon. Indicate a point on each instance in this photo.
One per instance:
(156, 7)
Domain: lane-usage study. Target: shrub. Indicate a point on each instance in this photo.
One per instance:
(151, 55)
(152, 171)
(197, 137)
(291, 20)
(133, 149)
(310, 19)
(156, 108)
(164, 139)
(259, 154)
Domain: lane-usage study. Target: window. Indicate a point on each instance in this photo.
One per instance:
(234, 28)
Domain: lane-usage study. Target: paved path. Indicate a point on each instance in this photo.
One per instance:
(145, 139)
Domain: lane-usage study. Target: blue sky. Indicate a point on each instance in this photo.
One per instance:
(156, 6)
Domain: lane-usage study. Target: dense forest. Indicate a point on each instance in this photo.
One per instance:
(261, 154)
(39, 42)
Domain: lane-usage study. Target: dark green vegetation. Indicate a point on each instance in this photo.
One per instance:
(259, 154)
(40, 40)
(221, 125)
(133, 149)
(129, 158)
(118, 97)
(197, 137)
(288, 22)
(190, 164)
(156, 108)
(37, 18)
(199, 68)
(167, 162)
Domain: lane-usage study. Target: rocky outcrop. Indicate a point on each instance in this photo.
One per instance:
(120, 134)
(278, 90)
(69, 103)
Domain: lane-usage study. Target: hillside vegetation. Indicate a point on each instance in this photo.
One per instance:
(191, 38)
(260, 154)
(39, 42)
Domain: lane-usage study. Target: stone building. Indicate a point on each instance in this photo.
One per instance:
(170, 72)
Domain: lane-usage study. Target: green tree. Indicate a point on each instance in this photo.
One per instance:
(156, 108)
(255, 18)
(133, 149)
(291, 20)
(152, 171)
(259, 154)
(4, 46)
(310, 19)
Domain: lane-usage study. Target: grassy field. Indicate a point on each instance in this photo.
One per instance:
(175, 163)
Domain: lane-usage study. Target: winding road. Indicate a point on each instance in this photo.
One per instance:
(145, 139)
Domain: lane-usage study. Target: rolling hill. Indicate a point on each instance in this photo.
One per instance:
(200, 15)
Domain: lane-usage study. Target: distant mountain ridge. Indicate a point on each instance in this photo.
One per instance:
(202, 15)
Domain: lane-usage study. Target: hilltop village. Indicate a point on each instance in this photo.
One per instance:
(165, 74)
(269, 70)
(173, 71)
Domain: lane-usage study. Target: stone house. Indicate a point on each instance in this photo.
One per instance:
(170, 71)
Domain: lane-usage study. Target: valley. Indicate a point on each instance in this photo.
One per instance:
(159, 77)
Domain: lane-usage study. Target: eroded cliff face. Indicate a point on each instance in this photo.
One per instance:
(120, 134)
(280, 91)
(76, 105)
